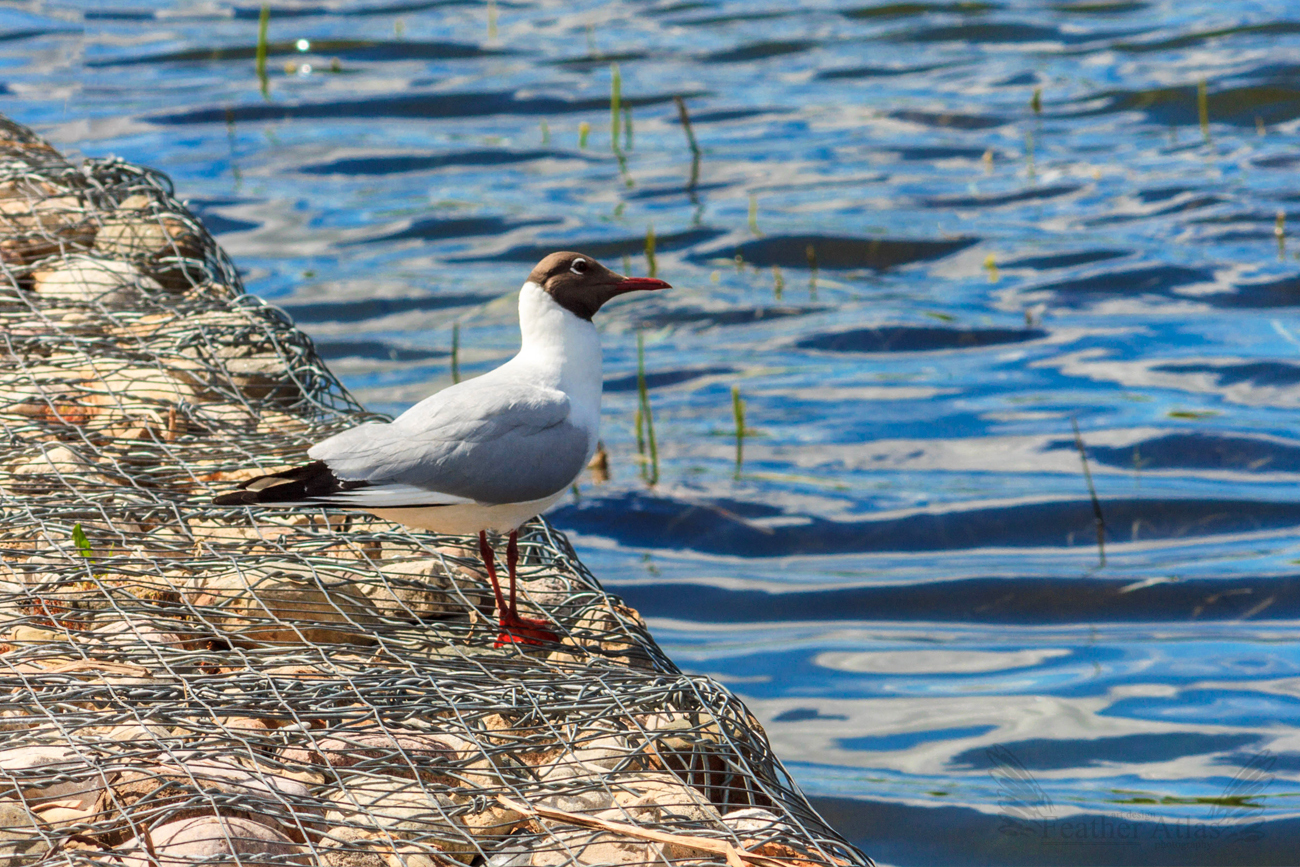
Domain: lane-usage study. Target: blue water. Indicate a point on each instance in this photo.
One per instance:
(903, 578)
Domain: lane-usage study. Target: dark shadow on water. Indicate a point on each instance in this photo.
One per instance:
(802, 714)
(1191, 40)
(876, 72)
(995, 32)
(1272, 102)
(992, 200)
(344, 49)
(646, 521)
(917, 338)
(948, 120)
(1028, 600)
(834, 252)
(1064, 260)
(1159, 280)
(1201, 451)
(1046, 754)
(662, 378)
(1246, 708)
(252, 12)
(410, 105)
(928, 153)
(438, 229)
(601, 61)
(703, 319)
(759, 51)
(886, 11)
(365, 309)
(398, 163)
(601, 249)
(909, 836)
(907, 740)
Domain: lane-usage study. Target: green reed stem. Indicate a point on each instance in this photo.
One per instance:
(263, 25)
(615, 104)
(627, 127)
(652, 469)
(651, 265)
(1203, 107)
(492, 19)
(584, 130)
(753, 215)
(778, 282)
(738, 410)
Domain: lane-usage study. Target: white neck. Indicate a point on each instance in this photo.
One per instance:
(562, 351)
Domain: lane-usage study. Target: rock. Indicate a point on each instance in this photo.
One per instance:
(416, 589)
(38, 219)
(58, 461)
(258, 794)
(603, 849)
(385, 752)
(661, 799)
(237, 352)
(754, 824)
(264, 605)
(643, 799)
(22, 840)
(49, 772)
(572, 787)
(212, 839)
(355, 847)
(402, 810)
(84, 278)
(140, 230)
(132, 633)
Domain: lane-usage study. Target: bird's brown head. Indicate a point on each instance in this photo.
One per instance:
(580, 284)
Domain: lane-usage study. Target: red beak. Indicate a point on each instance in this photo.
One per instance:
(631, 284)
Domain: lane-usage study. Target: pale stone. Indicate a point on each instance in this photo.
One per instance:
(661, 799)
(263, 604)
(32, 771)
(214, 839)
(403, 810)
(85, 278)
(356, 847)
(21, 836)
(390, 752)
(134, 230)
(265, 796)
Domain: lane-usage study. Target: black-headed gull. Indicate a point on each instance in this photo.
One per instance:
(488, 453)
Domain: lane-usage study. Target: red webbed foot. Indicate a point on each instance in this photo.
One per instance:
(524, 630)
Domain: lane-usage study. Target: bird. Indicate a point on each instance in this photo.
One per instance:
(485, 454)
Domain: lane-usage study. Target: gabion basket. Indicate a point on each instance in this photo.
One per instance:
(185, 684)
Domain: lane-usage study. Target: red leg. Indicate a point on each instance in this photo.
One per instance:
(516, 629)
(485, 551)
(512, 560)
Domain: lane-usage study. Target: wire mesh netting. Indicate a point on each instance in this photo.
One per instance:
(182, 684)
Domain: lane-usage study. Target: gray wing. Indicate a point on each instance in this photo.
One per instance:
(486, 441)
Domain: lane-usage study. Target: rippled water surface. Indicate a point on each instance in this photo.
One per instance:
(916, 272)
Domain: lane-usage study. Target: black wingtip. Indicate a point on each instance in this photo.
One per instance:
(307, 482)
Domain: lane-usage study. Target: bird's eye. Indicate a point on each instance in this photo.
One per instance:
(579, 266)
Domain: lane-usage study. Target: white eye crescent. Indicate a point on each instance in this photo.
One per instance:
(579, 266)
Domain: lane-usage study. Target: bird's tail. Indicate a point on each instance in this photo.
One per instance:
(297, 486)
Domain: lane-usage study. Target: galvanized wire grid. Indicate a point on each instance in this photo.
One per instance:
(184, 684)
